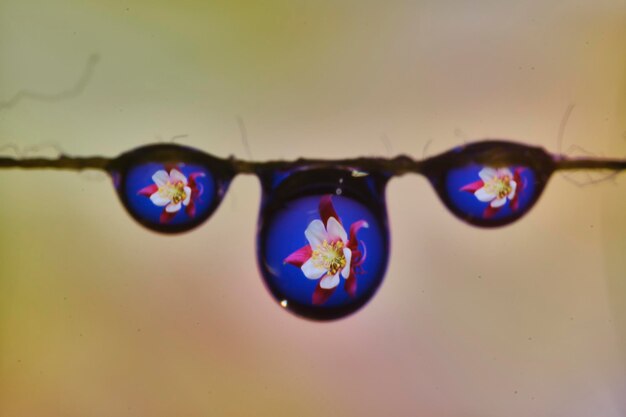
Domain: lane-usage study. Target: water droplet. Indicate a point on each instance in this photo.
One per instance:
(322, 255)
(488, 196)
(169, 188)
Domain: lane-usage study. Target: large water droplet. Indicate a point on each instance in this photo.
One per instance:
(323, 241)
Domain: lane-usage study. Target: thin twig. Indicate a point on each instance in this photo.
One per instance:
(71, 92)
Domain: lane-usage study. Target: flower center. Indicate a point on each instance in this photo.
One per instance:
(330, 256)
(499, 186)
(174, 192)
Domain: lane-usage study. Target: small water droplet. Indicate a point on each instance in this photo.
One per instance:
(489, 196)
(169, 197)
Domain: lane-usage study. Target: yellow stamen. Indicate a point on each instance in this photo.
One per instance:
(175, 192)
(329, 256)
(499, 186)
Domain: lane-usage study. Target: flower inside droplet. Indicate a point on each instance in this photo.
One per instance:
(498, 186)
(172, 191)
(323, 253)
(329, 256)
(496, 193)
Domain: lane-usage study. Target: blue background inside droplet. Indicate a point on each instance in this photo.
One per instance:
(140, 176)
(286, 235)
(467, 202)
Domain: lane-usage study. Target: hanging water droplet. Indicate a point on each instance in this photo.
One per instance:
(322, 255)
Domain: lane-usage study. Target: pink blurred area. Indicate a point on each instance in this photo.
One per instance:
(100, 317)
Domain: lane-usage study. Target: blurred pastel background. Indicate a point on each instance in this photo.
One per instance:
(100, 317)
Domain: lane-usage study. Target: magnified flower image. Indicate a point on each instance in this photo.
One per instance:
(497, 186)
(173, 191)
(330, 254)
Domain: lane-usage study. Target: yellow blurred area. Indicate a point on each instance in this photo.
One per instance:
(100, 317)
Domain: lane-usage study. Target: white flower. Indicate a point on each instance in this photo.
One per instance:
(498, 186)
(330, 255)
(173, 191)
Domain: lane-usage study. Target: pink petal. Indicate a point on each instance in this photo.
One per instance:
(489, 212)
(299, 257)
(166, 217)
(354, 228)
(473, 187)
(196, 191)
(350, 284)
(327, 210)
(149, 190)
(196, 188)
(518, 189)
(356, 259)
(517, 177)
(191, 209)
(193, 176)
(363, 255)
(515, 203)
(320, 296)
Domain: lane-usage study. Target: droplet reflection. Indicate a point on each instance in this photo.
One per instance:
(169, 197)
(323, 255)
(490, 196)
